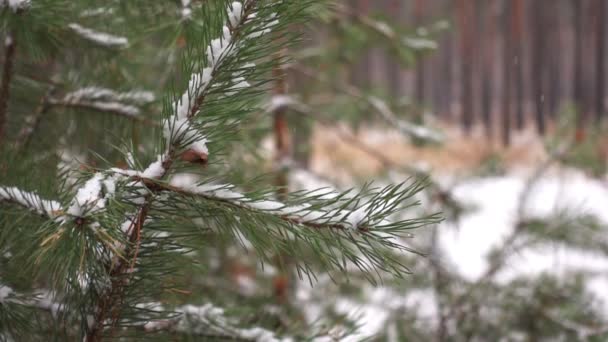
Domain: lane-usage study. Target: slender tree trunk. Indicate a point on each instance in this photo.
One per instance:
(517, 28)
(282, 139)
(600, 72)
(507, 63)
(393, 70)
(419, 79)
(538, 69)
(447, 70)
(555, 71)
(465, 15)
(578, 65)
(485, 23)
(360, 70)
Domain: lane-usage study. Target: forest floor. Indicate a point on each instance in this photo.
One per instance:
(462, 165)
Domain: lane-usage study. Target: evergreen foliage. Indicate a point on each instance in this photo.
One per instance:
(119, 214)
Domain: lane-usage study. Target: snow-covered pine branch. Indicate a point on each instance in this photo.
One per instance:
(186, 11)
(106, 100)
(98, 37)
(313, 216)
(408, 128)
(16, 5)
(207, 320)
(94, 93)
(31, 201)
(178, 128)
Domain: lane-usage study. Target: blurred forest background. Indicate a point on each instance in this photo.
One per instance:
(501, 105)
(497, 106)
(496, 65)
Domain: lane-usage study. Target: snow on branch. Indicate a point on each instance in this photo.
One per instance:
(31, 201)
(314, 216)
(207, 320)
(178, 128)
(100, 38)
(186, 11)
(94, 93)
(16, 5)
(107, 100)
(413, 130)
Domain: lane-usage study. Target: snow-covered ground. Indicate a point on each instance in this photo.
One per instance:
(496, 200)
(465, 247)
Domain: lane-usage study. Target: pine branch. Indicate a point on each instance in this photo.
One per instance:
(32, 121)
(207, 320)
(509, 245)
(191, 102)
(100, 38)
(299, 215)
(583, 332)
(287, 101)
(31, 201)
(113, 104)
(408, 128)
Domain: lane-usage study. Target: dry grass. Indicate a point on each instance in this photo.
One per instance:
(458, 156)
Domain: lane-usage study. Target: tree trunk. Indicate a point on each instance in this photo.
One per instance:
(578, 62)
(419, 79)
(507, 63)
(517, 28)
(485, 25)
(600, 67)
(538, 64)
(465, 15)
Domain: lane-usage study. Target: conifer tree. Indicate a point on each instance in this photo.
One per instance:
(122, 207)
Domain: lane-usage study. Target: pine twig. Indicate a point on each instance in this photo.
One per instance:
(508, 246)
(303, 109)
(126, 111)
(32, 121)
(408, 128)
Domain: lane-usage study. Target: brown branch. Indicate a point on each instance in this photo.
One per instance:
(33, 121)
(109, 305)
(7, 74)
(282, 284)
